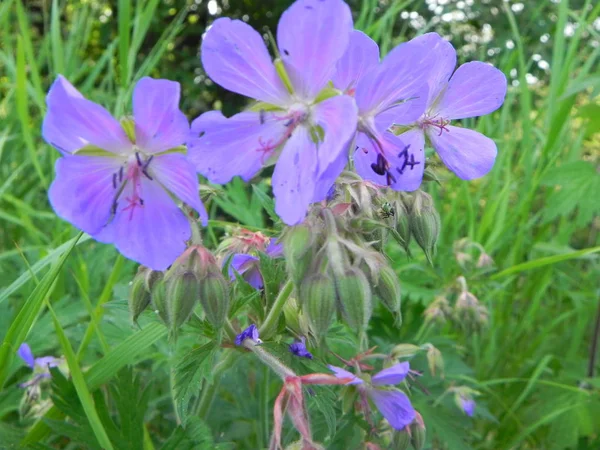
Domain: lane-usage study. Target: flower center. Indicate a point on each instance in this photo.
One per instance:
(131, 171)
(435, 122)
(296, 115)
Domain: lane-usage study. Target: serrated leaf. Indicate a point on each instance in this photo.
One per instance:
(196, 436)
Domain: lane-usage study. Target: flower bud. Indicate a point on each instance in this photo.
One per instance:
(317, 297)
(139, 297)
(484, 261)
(402, 224)
(159, 300)
(435, 360)
(297, 250)
(401, 440)
(354, 298)
(424, 222)
(418, 432)
(388, 290)
(183, 292)
(291, 312)
(214, 297)
(404, 351)
(438, 311)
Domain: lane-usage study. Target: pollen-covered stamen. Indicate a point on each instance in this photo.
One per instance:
(436, 122)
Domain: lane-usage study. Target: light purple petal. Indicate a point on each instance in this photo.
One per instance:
(294, 177)
(221, 148)
(361, 55)
(154, 234)
(401, 76)
(72, 122)
(467, 153)
(46, 362)
(254, 278)
(83, 191)
(395, 406)
(442, 61)
(312, 35)
(475, 89)
(240, 263)
(235, 56)
(159, 124)
(26, 354)
(468, 406)
(342, 373)
(405, 155)
(404, 113)
(178, 176)
(391, 375)
(325, 181)
(275, 248)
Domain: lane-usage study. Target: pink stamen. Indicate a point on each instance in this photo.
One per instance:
(292, 121)
(435, 122)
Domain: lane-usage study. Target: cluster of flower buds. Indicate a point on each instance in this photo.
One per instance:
(335, 269)
(413, 436)
(463, 252)
(195, 277)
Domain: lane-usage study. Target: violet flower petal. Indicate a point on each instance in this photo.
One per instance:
(159, 124)
(249, 333)
(221, 148)
(475, 89)
(83, 191)
(177, 175)
(247, 266)
(274, 249)
(298, 348)
(26, 355)
(235, 56)
(342, 373)
(468, 406)
(467, 153)
(46, 362)
(312, 35)
(404, 153)
(72, 122)
(154, 234)
(395, 406)
(294, 176)
(391, 375)
(361, 55)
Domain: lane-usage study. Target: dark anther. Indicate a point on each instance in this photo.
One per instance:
(202, 133)
(288, 123)
(404, 154)
(139, 160)
(147, 174)
(412, 163)
(141, 202)
(379, 167)
(286, 53)
(121, 174)
(262, 116)
(389, 178)
(148, 162)
(114, 180)
(113, 209)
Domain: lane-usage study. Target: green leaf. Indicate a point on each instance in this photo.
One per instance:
(195, 436)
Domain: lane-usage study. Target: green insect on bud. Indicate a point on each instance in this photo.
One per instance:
(214, 297)
(418, 432)
(354, 298)
(317, 297)
(425, 224)
(183, 291)
(388, 290)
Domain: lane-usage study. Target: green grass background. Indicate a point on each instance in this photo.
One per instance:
(536, 214)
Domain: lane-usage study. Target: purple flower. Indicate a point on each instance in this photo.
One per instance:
(298, 348)
(475, 89)
(305, 132)
(393, 404)
(249, 333)
(42, 364)
(248, 265)
(467, 405)
(117, 181)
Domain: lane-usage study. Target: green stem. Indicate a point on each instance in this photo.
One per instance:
(268, 326)
(210, 390)
(278, 367)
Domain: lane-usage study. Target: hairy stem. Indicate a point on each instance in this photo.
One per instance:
(278, 367)
(268, 326)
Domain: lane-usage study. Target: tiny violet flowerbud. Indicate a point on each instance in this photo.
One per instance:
(418, 432)
(467, 405)
(318, 300)
(354, 298)
(298, 348)
(425, 224)
(249, 333)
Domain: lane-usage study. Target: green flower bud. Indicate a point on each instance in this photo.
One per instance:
(297, 247)
(159, 300)
(139, 297)
(317, 297)
(401, 440)
(291, 312)
(354, 298)
(425, 224)
(402, 224)
(214, 297)
(183, 292)
(418, 432)
(404, 351)
(388, 290)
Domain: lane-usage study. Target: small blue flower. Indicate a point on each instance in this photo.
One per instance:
(249, 333)
(467, 405)
(41, 366)
(298, 348)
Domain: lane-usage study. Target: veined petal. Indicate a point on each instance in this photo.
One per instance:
(312, 35)
(475, 89)
(275, 248)
(247, 266)
(405, 155)
(403, 113)
(294, 177)
(343, 373)
(467, 153)
(159, 124)
(153, 234)
(395, 406)
(72, 122)
(221, 148)
(26, 355)
(84, 190)
(178, 176)
(391, 375)
(235, 56)
(361, 55)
